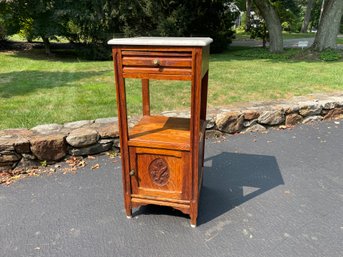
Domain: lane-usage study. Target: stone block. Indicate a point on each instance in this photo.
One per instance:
(47, 129)
(49, 147)
(292, 119)
(82, 137)
(231, 122)
(334, 114)
(275, 117)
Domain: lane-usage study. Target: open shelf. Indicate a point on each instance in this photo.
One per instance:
(161, 132)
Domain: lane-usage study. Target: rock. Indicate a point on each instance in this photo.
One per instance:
(6, 168)
(272, 117)
(334, 114)
(249, 123)
(77, 124)
(25, 164)
(30, 157)
(310, 110)
(251, 114)
(6, 144)
(22, 145)
(49, 147)
(330, 105)
(231, 122)
(256, 128)
(106, 120)
(9, 156)
(214, 134)
(292, 119)
(210, 123)
(109, 130)
(15, 133)
(312, 119)
(93, 149)
(47, 129)
(292, 109)
(82, 137)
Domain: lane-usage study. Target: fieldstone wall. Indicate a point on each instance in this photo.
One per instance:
(53, 142)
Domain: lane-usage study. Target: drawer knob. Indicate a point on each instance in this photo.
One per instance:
(132, 173)
(156, 62)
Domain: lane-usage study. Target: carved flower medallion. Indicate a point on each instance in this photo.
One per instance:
(159, 171)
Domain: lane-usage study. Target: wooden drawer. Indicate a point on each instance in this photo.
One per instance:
(143, 64)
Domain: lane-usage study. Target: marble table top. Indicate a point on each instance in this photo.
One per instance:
(162, 41)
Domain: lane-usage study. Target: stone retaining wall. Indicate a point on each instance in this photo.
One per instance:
(53, 142)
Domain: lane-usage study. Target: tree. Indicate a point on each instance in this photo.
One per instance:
(248, 6)
(307, 16)
(329, 25)
(273, 25)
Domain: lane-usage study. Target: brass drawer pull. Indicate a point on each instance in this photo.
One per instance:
(156, 62)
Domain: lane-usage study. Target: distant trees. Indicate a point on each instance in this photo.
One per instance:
(91, 23)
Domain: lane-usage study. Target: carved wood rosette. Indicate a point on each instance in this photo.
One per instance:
(159, 171)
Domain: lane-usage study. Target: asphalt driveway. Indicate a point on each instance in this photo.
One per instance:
(274, 194)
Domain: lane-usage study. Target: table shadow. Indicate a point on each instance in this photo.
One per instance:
(231, 179)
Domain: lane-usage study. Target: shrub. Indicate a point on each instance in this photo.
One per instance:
(329, 55)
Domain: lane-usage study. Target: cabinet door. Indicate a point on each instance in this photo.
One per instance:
(158, 173)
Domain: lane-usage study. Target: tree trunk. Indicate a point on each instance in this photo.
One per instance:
(273, 25)
(307, 16)
(248, 4)
(329, 25)
(46, 45)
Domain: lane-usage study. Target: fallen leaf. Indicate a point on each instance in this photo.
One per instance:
(96, 166)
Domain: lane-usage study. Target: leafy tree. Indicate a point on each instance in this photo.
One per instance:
(307, 16)
(273, 24)
(329, 25)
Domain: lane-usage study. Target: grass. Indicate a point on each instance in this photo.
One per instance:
(35, 89)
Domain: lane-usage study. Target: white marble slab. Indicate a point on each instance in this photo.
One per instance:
(162, 41)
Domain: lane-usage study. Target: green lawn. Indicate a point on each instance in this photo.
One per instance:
(35, 89)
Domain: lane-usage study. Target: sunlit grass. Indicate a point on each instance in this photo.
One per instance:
(35, 89)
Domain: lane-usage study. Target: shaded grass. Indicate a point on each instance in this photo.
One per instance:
(35, 89)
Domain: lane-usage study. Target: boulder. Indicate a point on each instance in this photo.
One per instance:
(230, 122)
(310, 110)
(82, 137)
(107, 130)
(47, 129)
(9, 156)
(49, 147)
(312, 119)
(251, 114)
(275, 117)
(77, 124)
(100, 147)
(256, 128)
(292, 119)
(334, 114)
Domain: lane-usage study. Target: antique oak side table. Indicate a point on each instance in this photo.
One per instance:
(162, 157)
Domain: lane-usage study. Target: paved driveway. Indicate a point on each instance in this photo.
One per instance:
(287, 43)
(275, 194)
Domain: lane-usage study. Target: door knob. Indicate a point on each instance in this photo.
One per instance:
(156, 62)
(132, 172)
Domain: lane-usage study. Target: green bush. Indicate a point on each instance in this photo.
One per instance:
(330, 55)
